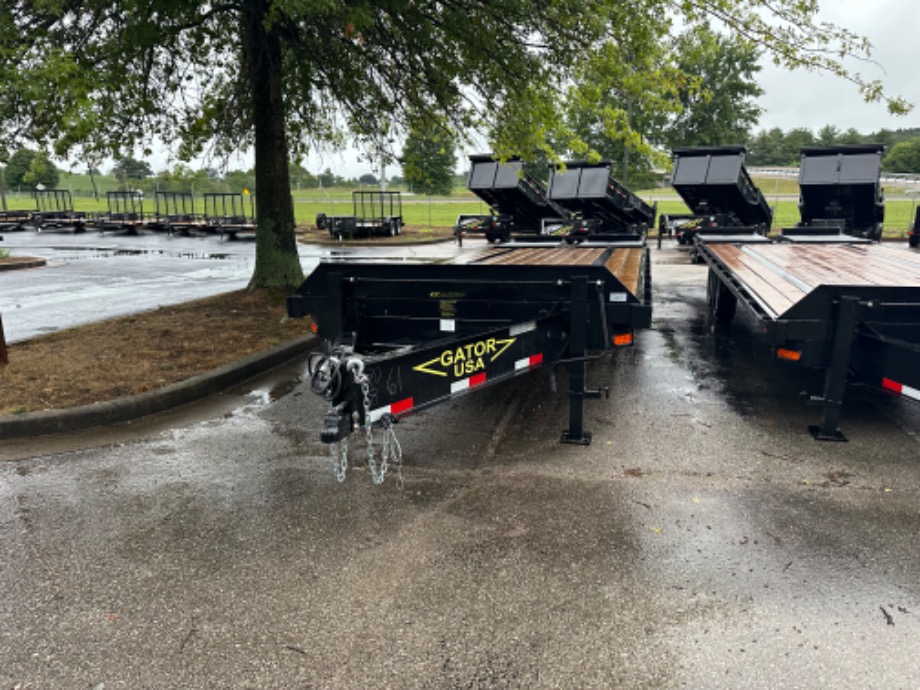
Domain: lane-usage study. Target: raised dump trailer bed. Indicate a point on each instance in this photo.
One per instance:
(55, 212)
(517, 202)
(716, 187)
(837, 307)
(400, 338)
(604, 207)
(840, 193)
(374, 213)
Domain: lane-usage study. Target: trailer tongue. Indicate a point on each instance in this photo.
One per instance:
(399, 338)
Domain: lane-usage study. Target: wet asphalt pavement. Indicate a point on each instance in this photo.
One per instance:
(702, 541)
(90, 276)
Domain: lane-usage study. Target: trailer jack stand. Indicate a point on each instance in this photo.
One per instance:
(575, 434)
(835, 376)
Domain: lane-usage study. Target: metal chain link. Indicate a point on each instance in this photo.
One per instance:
(390, 447)
(339, 460)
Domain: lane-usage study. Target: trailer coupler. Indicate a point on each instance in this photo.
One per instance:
(337, 426)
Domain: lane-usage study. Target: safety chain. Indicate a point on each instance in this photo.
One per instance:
(339, 459)
(390, 448)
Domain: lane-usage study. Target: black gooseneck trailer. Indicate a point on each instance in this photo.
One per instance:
(401, 337)
(829, 301)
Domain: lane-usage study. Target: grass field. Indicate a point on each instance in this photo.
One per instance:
(781, 194)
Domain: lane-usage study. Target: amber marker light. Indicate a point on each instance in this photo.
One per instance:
(623, 339)
(314, 327)
(789, 355)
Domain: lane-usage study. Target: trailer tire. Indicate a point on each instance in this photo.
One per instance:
(913, 241)
(722, 303)
(321, 221)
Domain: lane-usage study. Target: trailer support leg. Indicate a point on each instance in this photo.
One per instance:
(835, 376)
(576, 434)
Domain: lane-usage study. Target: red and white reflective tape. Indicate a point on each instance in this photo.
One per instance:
(529, 362)
(900, 389)
(393, 408)
(466, 384)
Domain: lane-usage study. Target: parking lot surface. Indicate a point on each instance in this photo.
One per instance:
(703, 540)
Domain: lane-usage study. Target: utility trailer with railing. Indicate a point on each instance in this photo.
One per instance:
(174, 213)
(517, 202)
(15, 219)
(374, 213)
(602, 208)
(840, 194)
(851, 310)
(722, 198)
(125, 214)
(399, 338)
(54, 211)
(226, 214)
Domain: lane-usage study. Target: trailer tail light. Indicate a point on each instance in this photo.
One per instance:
(623, 339)
(900, 389)
(788, 355)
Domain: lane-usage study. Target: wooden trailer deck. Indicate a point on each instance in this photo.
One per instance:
(625, 263)
(779, 276)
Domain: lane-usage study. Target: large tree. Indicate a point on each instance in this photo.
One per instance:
(27, 169)
(717, 104)
(428, 159)
(95, 78)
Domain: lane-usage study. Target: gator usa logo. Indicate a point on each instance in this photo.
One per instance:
(464, 360)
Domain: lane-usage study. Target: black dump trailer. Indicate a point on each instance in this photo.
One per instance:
(722, 198)
(54, 212)
(399, 338)
(603, 208)
(852, 310)
(840, 194)
(517, 202)
(374, 213)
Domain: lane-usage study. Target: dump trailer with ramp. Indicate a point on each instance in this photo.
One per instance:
(723, 199)
(840, 194)
(602, 208)
(517, 202)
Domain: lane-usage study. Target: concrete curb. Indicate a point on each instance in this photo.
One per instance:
(172, 396)
(21, 262)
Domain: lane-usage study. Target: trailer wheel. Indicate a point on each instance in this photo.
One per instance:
(321, 221)
(913, 241)
(722, 303)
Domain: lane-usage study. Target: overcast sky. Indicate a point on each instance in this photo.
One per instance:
(804, 99)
